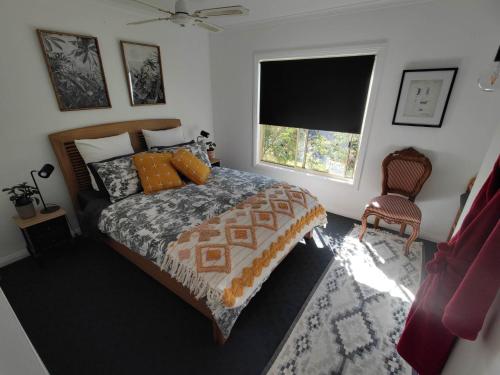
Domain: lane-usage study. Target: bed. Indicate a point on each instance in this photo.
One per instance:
(155, 231)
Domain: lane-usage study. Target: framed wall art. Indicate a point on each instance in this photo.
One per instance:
(75, 69)
(144, 73)
(423, 97)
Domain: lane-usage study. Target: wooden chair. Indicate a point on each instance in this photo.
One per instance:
(405, 172)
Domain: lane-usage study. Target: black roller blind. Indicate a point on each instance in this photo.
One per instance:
(318, 94)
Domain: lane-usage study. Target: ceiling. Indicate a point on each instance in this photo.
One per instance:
(265, 10)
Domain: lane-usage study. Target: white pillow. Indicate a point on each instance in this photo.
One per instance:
(169, 137)
(94, 150)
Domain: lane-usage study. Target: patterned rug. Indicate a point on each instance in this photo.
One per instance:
(354, 317)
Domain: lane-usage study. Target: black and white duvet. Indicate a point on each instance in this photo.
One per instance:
(147, 223)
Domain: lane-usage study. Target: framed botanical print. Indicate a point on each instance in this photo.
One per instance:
(75, 70)
(423, 97)
(144, 73)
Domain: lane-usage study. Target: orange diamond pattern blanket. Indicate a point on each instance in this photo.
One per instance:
(228, 257)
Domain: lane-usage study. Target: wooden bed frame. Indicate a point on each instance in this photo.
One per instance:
(77, 179)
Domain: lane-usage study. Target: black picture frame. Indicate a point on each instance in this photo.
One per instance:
(441, 102)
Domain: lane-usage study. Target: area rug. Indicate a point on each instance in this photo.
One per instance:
(354, 317)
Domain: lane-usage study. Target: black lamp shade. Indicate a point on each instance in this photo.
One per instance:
(46, 171)
(205, 134)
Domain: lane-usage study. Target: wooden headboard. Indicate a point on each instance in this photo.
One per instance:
(72, 165)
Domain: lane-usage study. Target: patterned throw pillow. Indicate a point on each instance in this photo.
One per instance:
(117, 176)
(156, 172)
(190, 166)
(197, 149)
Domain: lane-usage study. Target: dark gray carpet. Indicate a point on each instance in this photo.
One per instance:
(90, 311)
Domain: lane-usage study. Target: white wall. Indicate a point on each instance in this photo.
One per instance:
(28, 108)
(17, 354)
(440, 33)
(480, 357)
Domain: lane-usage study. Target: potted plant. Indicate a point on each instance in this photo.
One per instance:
(22, 196)
(211, 150)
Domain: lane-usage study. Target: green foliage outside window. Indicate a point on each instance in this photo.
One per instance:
(322, 151)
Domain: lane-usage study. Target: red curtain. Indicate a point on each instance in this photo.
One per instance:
(463, 280)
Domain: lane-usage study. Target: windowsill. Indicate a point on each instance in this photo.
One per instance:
(321, 175)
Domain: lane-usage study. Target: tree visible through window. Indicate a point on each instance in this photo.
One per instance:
(328, 152)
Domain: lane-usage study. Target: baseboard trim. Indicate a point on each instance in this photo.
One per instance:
(423, 236)
(13, 257)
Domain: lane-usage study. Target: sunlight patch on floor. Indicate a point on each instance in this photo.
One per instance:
(322, 240)
(365, 270)
(317, 240)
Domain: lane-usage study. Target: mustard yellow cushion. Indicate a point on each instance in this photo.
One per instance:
(155, 172)
(190, 166)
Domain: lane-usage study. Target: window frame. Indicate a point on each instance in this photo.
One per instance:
(377, 49)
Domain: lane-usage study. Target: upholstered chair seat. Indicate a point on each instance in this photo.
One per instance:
(404, 174)
(396, 208)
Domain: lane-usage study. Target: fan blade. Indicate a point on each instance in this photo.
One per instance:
(152, 6)
(235, 10)
(147, 21)
(208, 26)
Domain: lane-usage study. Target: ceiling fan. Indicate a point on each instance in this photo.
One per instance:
(182, 17)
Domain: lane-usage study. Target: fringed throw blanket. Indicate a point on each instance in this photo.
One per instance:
(227, 258)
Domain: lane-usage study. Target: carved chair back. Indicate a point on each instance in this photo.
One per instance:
(405, 172)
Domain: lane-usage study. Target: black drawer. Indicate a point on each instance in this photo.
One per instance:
(49, 234)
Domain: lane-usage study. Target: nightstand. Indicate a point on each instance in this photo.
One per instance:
(215, 162)
(44, 231)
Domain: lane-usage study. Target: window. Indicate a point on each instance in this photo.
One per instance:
(327, 152)
(311, 112)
